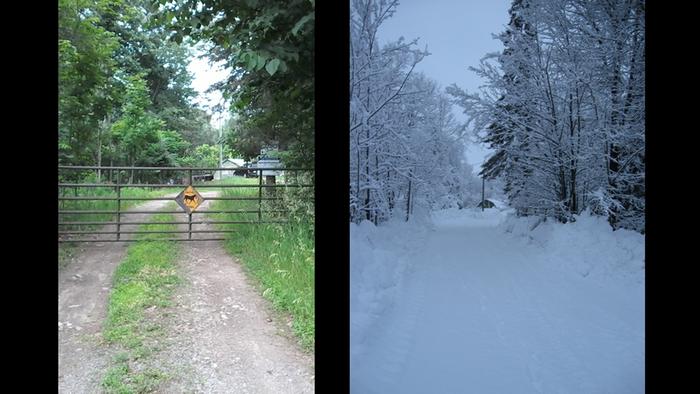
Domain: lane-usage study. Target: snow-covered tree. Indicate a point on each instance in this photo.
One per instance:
(405, 148)
(564, 108)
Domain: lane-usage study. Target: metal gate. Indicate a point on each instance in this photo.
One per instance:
(101, 204)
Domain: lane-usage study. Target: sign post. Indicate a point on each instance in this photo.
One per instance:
(189, 199)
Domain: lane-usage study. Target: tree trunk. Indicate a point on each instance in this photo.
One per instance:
(367, 196)
(483, 186)
(105, 125)
(359, 174)
(408, 198)
(99, 153)
(131, 177)
(408, 201)
(376, 171)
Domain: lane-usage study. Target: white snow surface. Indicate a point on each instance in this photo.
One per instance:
(477, 302)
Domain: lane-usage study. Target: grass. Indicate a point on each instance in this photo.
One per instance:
(66, 250)
(143, 281)
(65, 254)
(120, 379)
(102, 205)
(279, 256)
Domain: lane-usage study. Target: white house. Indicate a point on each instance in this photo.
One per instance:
(266, 162)
(229, 163)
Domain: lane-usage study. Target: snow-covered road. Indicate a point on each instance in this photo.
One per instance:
(479, 311)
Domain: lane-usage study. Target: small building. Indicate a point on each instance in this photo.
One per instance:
(233, 164)
(269, 162)
(487, 204)
(269, 158)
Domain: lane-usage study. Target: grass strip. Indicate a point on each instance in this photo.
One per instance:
(143, 282)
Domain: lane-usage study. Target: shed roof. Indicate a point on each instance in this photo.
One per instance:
(236, 162)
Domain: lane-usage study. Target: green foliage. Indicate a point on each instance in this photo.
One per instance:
(115, 63)
(272, 66)
(207, 156)
(137, 129)
(173, 144)
(269, 46)
(85, 63)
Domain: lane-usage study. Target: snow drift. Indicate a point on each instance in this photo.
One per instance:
(588, 247)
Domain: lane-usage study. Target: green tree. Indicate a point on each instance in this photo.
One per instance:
(137, 129)
(269, 46)
(125, 94)
(87, 92)
(144, 48)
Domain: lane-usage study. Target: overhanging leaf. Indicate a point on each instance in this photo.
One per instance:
(302, 22)
(262, 59)
(283, 66)
(252, 61)
(272, 66)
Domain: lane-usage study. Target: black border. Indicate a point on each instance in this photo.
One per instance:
(332, 197)
(30, 139)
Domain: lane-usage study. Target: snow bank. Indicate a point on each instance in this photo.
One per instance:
(379, 258)
(588, 247)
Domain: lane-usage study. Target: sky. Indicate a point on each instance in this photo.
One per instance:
(458, 34)
(205, 74)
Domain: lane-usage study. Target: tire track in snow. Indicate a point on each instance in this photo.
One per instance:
(484, 285)
(389, 349)
(548, 352)
(522, 326)
(496, 317)
(554, 360)
(512, 301)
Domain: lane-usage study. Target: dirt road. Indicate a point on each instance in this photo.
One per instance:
(221, 336)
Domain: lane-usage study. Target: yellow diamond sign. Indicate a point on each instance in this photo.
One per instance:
(189, 199)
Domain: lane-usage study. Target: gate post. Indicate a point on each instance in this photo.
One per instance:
(189, 225)
(260, 195)
(119, 204)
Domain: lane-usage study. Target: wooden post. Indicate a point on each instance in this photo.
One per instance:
(119, 204)
(270, 180)
(189, 225)
(260, 183)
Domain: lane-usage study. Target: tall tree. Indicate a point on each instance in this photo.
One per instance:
(137, 132)
(87, 92)
(269, 46)
(564, 109)
(405, 148)
(103, 45)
